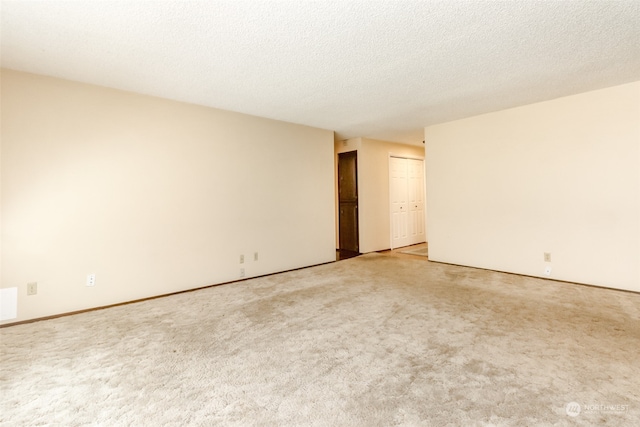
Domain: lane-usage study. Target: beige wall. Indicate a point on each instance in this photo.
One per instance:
(561, 176)
(373, 187)
(151, 195)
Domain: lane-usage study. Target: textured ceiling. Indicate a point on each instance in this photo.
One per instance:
(380, 69)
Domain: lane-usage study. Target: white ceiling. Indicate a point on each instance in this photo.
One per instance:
(379, 69)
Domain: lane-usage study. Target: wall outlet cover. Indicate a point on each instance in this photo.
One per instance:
(32, 288)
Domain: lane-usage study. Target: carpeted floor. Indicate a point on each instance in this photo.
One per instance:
(370, 341)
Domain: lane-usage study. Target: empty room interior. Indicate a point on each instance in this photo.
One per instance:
(320, 213)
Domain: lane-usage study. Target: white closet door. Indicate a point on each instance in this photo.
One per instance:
(399, 198)
(406, 195)
(415, 185)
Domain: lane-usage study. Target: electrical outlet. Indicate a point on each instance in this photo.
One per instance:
(255, 256)
(547, 270)
(241, 259)
(242, 272)
(91, 279)
(547, 257)
(32, 288)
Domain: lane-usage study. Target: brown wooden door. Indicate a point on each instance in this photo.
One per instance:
(348, 201)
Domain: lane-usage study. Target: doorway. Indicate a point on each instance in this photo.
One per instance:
(348, 202)
(407, 201)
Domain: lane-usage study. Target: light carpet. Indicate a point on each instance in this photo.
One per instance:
(371, 341)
